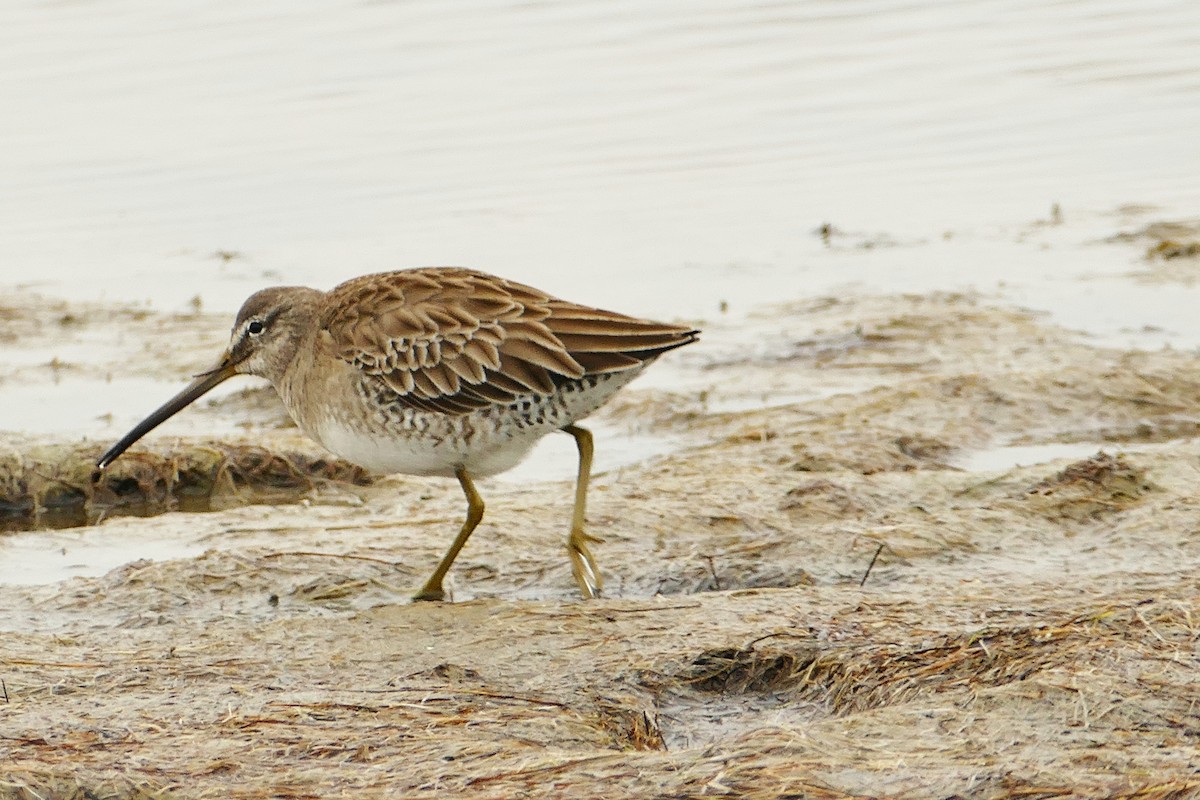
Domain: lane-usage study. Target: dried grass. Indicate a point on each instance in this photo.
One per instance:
(1090, 488)
(1029, 634)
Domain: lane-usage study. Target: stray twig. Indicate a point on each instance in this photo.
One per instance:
(764, 637)
(27, 662)
(871, 566)
(4, 686)
(450, 693)
(312, 554)
(546, 770)
(713, 569)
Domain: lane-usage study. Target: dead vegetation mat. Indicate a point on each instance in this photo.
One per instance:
(813, 600)
(57, 485)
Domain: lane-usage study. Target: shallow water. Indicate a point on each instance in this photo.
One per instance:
(1007, 457)
(611, 151)
(40, 557)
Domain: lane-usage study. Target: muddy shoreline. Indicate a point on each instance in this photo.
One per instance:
(813, 598)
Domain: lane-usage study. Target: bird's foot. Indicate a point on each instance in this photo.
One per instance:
(583, 565)
(430, 593)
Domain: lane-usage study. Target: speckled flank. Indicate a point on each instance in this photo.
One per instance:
(387, 436)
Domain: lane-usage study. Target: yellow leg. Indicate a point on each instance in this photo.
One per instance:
(583, 566)
(432, 590)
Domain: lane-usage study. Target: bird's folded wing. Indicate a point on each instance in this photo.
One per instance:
(455, 340)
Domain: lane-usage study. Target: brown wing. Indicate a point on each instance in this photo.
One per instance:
(456, 340)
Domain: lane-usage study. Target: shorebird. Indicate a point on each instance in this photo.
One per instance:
(436, 371)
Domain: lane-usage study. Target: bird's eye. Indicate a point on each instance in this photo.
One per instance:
(254, 328)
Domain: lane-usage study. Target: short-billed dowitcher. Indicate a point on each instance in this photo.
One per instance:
(437, 371)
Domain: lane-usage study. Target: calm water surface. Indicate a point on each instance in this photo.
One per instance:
(581, 145)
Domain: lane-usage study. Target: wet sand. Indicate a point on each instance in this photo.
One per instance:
(817, 598)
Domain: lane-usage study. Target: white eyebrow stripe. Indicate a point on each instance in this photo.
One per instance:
(240, 333)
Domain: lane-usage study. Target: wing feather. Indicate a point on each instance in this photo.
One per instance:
(468, 369)
(482, 352)
(452, 340)
(555, 359)
(533, 378)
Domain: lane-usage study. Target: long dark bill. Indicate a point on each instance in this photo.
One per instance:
(205, 381)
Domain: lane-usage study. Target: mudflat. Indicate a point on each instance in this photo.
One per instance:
(965, 565)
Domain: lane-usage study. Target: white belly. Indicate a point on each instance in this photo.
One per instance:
(427, 455)
(390, 440)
